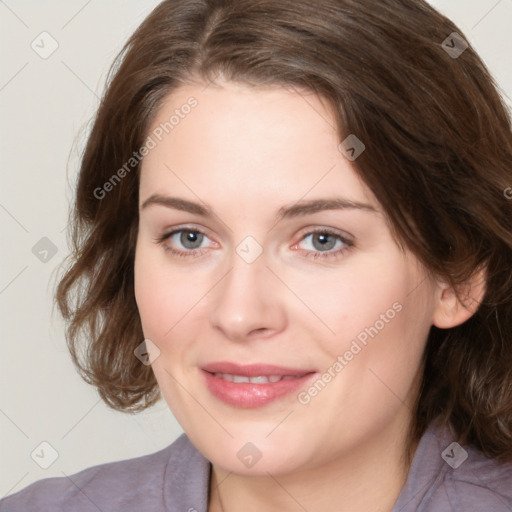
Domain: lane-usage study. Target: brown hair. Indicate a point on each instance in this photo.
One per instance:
(438, 158)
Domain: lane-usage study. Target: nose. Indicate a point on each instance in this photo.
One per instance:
(248, 302)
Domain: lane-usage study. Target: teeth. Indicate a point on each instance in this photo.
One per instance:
(253, 380)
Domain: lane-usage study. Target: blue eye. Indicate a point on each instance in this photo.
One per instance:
(190, 239)
(324, 241)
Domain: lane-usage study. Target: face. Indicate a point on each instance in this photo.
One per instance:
(281, 321)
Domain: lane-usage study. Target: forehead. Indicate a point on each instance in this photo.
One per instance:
(248, 143)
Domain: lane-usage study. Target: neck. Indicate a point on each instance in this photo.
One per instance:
(369, 477)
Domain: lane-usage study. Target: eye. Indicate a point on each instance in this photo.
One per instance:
(189, 239)
(325, 243)
(322, 242)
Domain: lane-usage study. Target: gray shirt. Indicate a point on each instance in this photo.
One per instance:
(444, 477)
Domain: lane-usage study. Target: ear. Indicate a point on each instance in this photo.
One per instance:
(455, 305)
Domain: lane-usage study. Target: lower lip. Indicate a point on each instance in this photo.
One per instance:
(249, 396)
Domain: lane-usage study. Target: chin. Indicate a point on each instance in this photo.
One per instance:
(252, 452)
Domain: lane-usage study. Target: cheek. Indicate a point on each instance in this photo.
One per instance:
(380, 318)
(358, 301)
(164, 294)
(165, 302)
(152, 301)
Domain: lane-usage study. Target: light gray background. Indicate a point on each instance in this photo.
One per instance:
(46, 105)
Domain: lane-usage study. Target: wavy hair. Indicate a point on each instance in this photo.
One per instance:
(438, 158)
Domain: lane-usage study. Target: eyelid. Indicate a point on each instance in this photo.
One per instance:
(180, 253)
(167, 232)
(346, 239)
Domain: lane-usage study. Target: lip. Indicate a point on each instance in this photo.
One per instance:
(250, 395)
(253, 370)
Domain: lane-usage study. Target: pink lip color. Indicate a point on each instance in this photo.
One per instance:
(248, 395)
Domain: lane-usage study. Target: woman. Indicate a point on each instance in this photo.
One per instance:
(292, 221)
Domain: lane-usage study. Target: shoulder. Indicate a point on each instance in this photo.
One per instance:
(133, 484)
(447, 476)
(480, 482)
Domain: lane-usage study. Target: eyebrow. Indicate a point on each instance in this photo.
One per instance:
(297, 209)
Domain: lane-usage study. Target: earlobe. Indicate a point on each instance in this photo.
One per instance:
(455, 306)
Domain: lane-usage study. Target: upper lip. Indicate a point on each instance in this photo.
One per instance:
(253, 370)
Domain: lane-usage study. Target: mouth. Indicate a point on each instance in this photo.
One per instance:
(255, 385)
(260, 379)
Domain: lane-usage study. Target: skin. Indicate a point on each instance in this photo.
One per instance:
(246, 152)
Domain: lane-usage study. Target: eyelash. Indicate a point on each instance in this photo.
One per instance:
(347, 245)
(194, 253)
